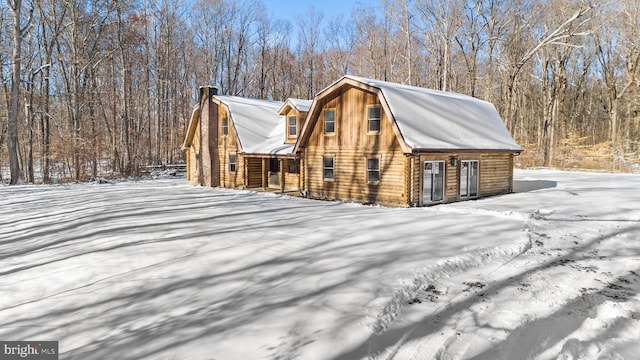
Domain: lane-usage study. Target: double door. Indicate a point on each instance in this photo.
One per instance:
(433, 182)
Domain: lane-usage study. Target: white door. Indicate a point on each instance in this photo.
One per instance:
(433, 182)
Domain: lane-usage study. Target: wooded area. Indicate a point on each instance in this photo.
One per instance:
(103, 87)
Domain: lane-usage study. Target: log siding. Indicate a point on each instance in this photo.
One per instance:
(361, 133)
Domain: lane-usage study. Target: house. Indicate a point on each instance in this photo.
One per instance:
(370, 141)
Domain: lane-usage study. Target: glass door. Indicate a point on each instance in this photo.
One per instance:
(468, 179)
(433, 182)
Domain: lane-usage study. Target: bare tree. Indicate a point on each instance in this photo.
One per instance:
(619, 58)
(557, 35)
(309, 48)
(441, 21)
(19, 31)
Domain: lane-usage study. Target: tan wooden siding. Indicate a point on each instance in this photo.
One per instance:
(193, 160)
(352, 144)
(351, 125)
(291, 180)
(350, 177)
(228, 145)
(496, 174)
(253, 168)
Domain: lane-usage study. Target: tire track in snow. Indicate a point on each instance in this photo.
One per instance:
(462, 335)
(448, 267)
(437, 343)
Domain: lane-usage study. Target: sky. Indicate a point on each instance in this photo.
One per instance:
(330, 8)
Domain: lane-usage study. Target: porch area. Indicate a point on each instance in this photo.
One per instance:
(273, 174)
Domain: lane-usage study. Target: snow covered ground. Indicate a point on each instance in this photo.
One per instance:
(161, 270)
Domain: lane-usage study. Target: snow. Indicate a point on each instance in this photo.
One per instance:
(446, 120)
(301, 105)
(158, 269)
(259, 127)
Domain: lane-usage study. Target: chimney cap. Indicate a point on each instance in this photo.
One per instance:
(210, 89)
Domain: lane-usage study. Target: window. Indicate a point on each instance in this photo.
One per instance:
(374, 119)
(232, 163)
(327, 168)
(292, 126)
(329, 121)
(293, 166)
(225, 126)
(373, 170)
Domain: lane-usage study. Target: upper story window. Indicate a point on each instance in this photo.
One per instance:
(293, 130)
(374, 118)
(225, 126)
(329, 121)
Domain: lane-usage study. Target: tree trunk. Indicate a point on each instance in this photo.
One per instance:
(12, 141)
(30, 123)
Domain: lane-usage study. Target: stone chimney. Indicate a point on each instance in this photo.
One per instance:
(209, 137)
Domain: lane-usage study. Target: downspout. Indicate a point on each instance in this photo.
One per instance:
(281, 163)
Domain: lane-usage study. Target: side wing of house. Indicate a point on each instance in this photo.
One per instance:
(350, 150)
(441, 177)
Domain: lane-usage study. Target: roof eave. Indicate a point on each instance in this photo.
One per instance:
(191, 129)
(460, 150)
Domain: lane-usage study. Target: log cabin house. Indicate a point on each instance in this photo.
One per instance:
(359, 140)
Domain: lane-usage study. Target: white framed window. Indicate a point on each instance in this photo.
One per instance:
(225, 126)
(232, 163)
(373, 170)
(373, 116)
(330, 121)
(328, 170)
(293, 128)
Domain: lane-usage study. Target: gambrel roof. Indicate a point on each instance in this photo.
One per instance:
(429, 120)
(257, 123)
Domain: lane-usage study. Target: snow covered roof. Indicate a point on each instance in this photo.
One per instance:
(259, 127)
(437, 120)
(302, 105)
(299, 105)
